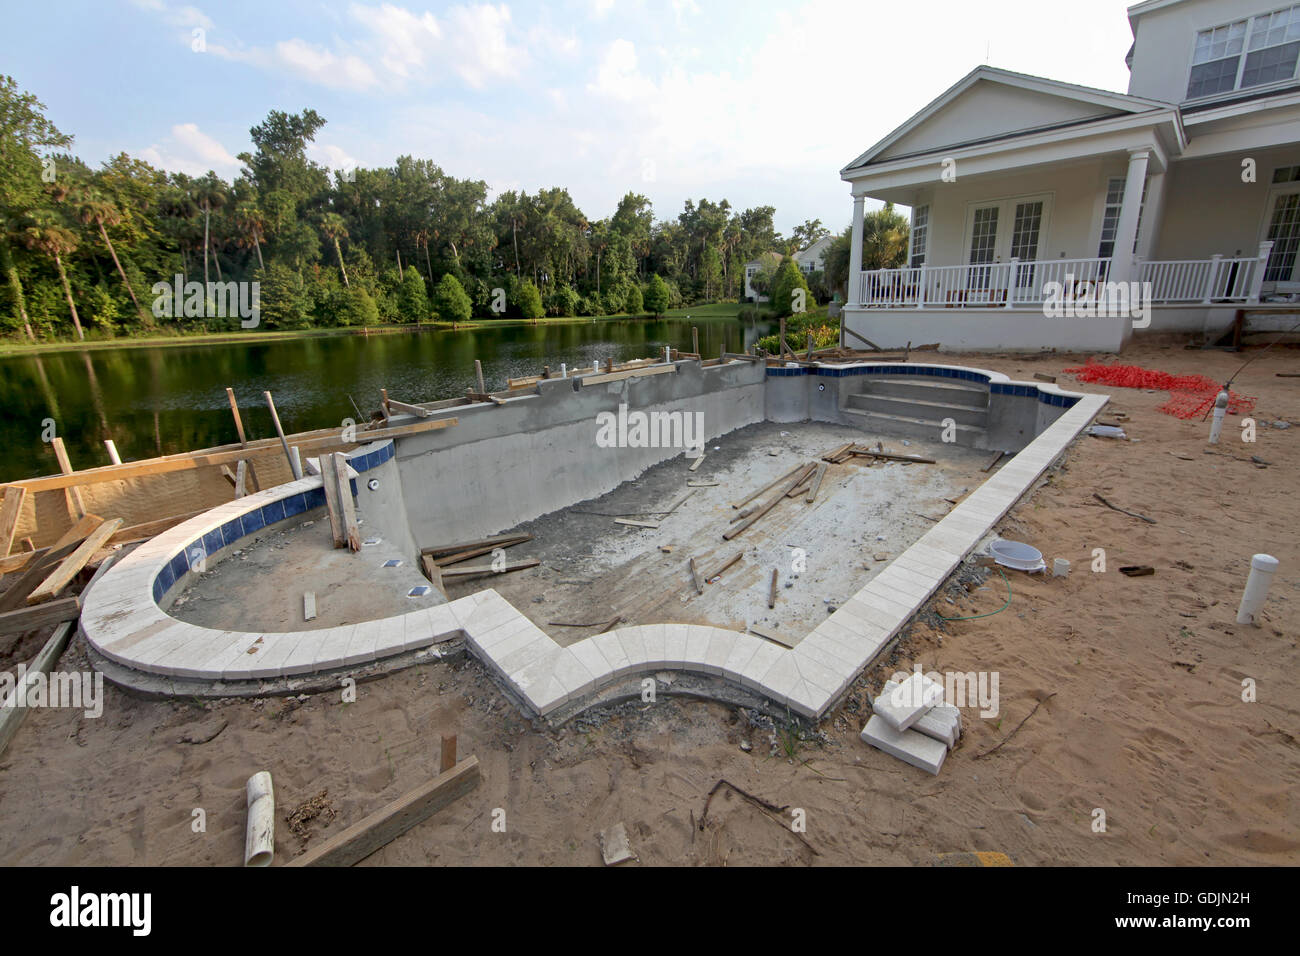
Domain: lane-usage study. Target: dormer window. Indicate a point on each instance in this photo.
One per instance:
(1246, 53)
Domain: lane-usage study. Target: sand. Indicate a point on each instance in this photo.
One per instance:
(1145, 720)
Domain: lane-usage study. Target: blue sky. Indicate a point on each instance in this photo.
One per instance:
(759, 104)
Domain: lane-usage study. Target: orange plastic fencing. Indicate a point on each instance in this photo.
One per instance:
(1191, 396)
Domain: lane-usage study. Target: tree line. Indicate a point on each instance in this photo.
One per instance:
(81, 249)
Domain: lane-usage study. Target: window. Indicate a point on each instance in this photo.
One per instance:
(1024, 239)
(1284, 230)
(983, 242)
(1110, 216)
(1246, 53)
(920, 231)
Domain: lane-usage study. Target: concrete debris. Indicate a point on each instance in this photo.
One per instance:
(908, 702)
(614, 846)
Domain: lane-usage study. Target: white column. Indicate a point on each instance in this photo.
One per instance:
(1121, 267)
(1149, 227)
(853, 295)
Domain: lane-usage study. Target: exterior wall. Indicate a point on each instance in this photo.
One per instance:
(988, 330)
(1208, 210)
(1077, 196)
(1166, 38)
(503, 465)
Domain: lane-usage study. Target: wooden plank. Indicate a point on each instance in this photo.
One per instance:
(764, 509)
(243, 439)
(817, 483)
(885, 456)
(766, 488)
(488, 569)
(695, 577)
(386, 824)
(191, 461)
(630, 373)
(698, 461)
(637, 524)
(241, 478)
(309, 606)
(771, 590)
(702, 484)
(80, 530)
(447, 753)
(397, 406)
(433, 573)
(333, 506)
(997, 457)
(770, 636)
(844, 325)
(9, 513)
(11, 716)
(351, 530)
(460, 556)
(501, 539)
(73, 563)
(798, 489)
(725, 564)
(478, 376)
(37, 565)
(76, 505)
(43, 615)
(834, 456)
(140, 532)
(679, 502)
(294, 467)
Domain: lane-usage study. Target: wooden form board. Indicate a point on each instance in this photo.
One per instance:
(73, 563)
(43, 615)
(12, 717)
(225, 455)
(631, 373)
(10, 509)
(389, 822)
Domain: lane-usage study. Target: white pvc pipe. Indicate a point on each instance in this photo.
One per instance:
(1262, 567)
(1220, 409)
(668, 354)
(564, 370)
(259, 839)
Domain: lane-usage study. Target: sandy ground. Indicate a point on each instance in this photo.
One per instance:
(1137, 683)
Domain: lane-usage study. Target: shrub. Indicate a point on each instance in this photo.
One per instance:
(656, 297)
(635, 302)
(450, 301)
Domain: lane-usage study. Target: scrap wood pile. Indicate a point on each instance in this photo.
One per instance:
(1191, 396)
(440, 562)
(845, 452)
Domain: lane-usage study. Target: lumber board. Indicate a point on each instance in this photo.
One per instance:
(351, 530)
(488, 569)
(817, 482)
(42, 615)
(11, 717)
(191, 461)
(73, 563)
(75, 503)
(770, 636)
(35, 573)
(834, 456)
(309, 605)
(695, 577)
(769, 487)
(886, 456)
(333, 506)
(500, 539)
(637, 524)
(444, 561)
(859, 336)
(698, 461)
(997, 457)
(764, 509)
(16, 562)
(9, 511)
(433, 573)
(416, 410)
(717, 573)
(386, 824)
(771, 589)
(628, 373)
(79, 530)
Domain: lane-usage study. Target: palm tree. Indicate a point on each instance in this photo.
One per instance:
(250, 218)
(176, 210)
(334, 228)
(11, 277)
(210, 194)
(96, 210)
(46, 236)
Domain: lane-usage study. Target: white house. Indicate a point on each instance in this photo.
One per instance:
(1026, 191)
(813, 258)
(753, 267)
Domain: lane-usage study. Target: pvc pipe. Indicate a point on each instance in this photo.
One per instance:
(564, 370)
(668, 354)
(1262, 567)
(259, 839)
(1220, 409)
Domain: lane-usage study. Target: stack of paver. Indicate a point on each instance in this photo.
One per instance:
(912, 722)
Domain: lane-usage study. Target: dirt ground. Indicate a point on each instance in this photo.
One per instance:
(1135, 688)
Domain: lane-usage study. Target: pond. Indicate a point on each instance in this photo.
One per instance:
(160, 401)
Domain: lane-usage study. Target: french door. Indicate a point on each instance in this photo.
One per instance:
(1000, 231)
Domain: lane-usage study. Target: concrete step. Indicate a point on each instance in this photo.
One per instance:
(926, 389)
(918, 408)
(928, 429)
(907, 745)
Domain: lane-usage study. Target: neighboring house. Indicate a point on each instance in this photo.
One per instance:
(1020, 185)
(813, 259)
(753, 268)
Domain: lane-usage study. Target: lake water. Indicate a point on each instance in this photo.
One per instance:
(159, 401)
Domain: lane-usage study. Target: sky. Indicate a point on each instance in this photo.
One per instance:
(761, 104)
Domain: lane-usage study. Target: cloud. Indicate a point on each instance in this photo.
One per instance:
(191, 151)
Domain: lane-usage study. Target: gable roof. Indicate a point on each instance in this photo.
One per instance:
(1077, 104)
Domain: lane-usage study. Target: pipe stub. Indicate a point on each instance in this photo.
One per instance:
(1264, 562)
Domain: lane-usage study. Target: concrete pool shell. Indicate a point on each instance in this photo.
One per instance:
(125, 618)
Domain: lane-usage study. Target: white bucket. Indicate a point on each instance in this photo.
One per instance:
(1017, 554)
(1060, 568)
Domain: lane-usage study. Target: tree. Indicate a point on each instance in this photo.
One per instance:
(94, 209)
(53, 240)
(656, 296)
(331, 224)
(635, 303)
(805, 235)
(357, 307)
(884, 245)
(412, 298)
(450, 301)
(210, 193)
(789, 289)
(529, 300)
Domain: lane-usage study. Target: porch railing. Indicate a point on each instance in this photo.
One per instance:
(1016, 284)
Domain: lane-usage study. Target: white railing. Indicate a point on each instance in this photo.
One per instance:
(1007, 285)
